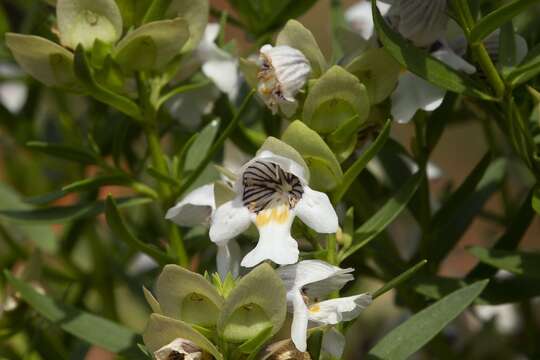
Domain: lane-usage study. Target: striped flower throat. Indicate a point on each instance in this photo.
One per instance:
(270, 192)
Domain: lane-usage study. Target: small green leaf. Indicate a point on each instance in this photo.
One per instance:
(378, 71)
(382, 218)
(84, 73)
(334, 99)
(187, 296)
(360, 163)
(44, 60)
(198, 150)
(85, 326)
(295, 35)
(65, 152)
(97, 182)
(527, 69)
(153, 45)
(535, 202)
(516, 262)
(401, 278)
(249, 69)
(195, 12)
(325, 170)
(281, 148)
(84, 21)
(409, 337)
(152, 301)
(257, 301)
(162, 330)
(120, 229)
(62, 214)
(497, 18)
(423, 64)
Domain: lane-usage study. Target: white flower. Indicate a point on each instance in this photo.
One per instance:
(217, 64)
(308, 281)
(360, 18)
(270, 191)
(197, 208)
(414, 93)
(420, 21)
(13, 93)
(283, 72)
(179, 349)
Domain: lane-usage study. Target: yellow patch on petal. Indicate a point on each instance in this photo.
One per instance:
(279, 215)
(314, 308)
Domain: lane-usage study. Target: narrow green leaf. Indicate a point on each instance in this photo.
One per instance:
(421, 63)
(65, 152)
(497, 18)
(62, 214)
(380, 220)
(85, 326)
(401, 278)
(409, 337)
(359, 164)
(535, 201)
(527, 69)
(510, 239)
(453, 219)
(97, 182)
(517, 262)
(162, 177)
(120, 229)
(201, 145)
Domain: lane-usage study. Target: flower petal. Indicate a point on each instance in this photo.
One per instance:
(321, 277)
(422, 22)
(360, 18)
(316, 211)
(194, 209)
(229, 220)
(223, 71)
(300, 320)
(331, 312)
(414, 93)
(228, 259)
(275, 240)
(456, 62)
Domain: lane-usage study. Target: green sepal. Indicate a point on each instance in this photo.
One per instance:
(44, 60)
(152, 301)
(254, 344)
(297, 36)
(334, 99)
(187, 296)
(162, 330)
(343, 140)
(378, 71)
(222, 193)
(257, 301)
(153, 45)
(84, 21)
(195, 12)
(325, 170)
(249, 69)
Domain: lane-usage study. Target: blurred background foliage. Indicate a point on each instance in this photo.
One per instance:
(53, 233)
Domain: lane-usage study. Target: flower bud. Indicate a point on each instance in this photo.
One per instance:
(283, 72)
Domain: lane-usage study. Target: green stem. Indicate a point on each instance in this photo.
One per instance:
(331, 249)
(158, 158)
(180, 90)
(217, 145)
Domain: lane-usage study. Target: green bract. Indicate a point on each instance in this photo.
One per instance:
(162, 330)
(334, 99)
(325, 170)
(152, 45)
(222, 193)
(44, 60)
(195, 12)
(280, 148)
(257, 302)
(378, 71)
(187, 296)
(297, 36)
(84, 21)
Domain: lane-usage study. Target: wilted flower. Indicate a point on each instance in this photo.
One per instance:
(270, 191)
(307, 282)
(197, 208)
(179, 349)
(282, 73)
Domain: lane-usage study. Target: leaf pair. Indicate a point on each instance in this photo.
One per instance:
(187, 304)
